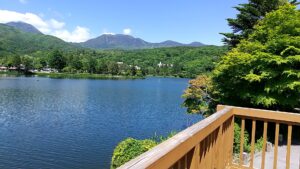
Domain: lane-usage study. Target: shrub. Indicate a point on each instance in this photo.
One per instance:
(237, 139)
(129, 149)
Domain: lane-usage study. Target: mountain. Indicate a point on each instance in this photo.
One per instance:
(27, 38)
(119, 41)
(16, 41)
(24, 27)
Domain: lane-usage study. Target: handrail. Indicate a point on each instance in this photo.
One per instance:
(209, 143)
(167, 153)
(271, 116)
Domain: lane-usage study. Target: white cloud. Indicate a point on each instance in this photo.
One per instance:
(127, 31)
(23, 1)
(80, 34)
(56, 24)
(51, 27)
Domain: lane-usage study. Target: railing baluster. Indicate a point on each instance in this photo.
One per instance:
(242, 142)
(263, 157)
(221, 149)
(252, 143)
(288, 151)
(185, 162)
(195, 158)
(202, 154)
(231, 140)
(276, 146)
(210, 148)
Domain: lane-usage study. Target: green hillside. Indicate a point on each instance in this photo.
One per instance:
(14, 41)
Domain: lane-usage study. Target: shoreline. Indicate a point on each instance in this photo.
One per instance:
(85, 76)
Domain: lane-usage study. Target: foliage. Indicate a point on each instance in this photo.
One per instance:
(198, 96)
(14, 41)
(248, 16)
(264, 70)
(129, 149)
(259, 144)
(176, 61)
(56, 60)
(247, 145)
(237, 139)
(160, 139)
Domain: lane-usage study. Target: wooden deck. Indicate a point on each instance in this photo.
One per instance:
(209, 143)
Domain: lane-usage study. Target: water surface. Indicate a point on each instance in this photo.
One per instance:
(62, 123)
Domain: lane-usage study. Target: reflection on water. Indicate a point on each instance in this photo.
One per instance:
(60, 123)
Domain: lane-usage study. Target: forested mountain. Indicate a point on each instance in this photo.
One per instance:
(15, 41)
(25, 27)
(120, 41)
(37, 51)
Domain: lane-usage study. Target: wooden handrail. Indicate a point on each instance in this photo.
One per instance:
(169, 152)
(209, 143)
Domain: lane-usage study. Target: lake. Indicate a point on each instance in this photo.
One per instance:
(63, 123)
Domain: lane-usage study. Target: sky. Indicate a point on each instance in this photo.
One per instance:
(152, 20)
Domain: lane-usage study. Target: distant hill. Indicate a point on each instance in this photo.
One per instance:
(115, 42)
(13, 40)
(120, 41)
(20, 37)
(24, 27)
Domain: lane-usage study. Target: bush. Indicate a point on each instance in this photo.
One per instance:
(237, 139)
(247, 144)
(129, 149)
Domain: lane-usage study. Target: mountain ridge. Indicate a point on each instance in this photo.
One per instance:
(108, 41)
(121, 41)
(25, 27)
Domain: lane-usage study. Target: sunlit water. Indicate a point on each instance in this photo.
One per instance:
(60, 123)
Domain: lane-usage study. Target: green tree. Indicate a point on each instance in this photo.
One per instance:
(133, 71)
(27, 62)
(14, 60)
(113, 68)
(249, 14)
(198, 98)
(264, 70)
(57, 61)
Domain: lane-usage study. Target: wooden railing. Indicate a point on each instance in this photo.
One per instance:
(208, 144)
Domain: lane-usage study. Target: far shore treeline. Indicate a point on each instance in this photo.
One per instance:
(174, 61)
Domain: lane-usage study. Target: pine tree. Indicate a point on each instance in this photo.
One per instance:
(248, 16)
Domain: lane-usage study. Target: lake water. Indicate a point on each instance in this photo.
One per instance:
(62, 123)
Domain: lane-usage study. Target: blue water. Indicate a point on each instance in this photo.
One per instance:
(61, 123)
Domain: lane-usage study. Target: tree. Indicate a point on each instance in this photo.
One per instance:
(249, 15)
(113, 68)
(14, 60)
(264, 70)
(57, 61)
(133, 71)
(197, 96)
(27, 62)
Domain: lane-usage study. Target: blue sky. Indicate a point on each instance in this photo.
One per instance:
(152, 20)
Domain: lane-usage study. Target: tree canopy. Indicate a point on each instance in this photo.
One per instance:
(249, 14)
(264, 70)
